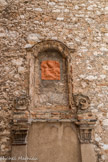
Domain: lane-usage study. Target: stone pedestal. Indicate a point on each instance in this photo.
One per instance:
(19, 153)
(87, 153)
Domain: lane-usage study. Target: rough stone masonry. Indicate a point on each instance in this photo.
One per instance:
(82, 25)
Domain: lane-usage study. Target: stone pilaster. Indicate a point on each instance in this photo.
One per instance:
(86, 122)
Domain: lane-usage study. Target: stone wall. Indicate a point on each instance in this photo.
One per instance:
(82, 25)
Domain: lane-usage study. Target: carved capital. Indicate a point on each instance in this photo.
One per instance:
(86, 134)
(19, 137)
(86, 123)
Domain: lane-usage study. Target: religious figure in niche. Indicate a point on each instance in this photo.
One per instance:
(50, 70)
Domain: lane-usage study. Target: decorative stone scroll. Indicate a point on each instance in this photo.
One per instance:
(82, 102)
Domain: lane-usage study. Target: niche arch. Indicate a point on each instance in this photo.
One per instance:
(35, 52)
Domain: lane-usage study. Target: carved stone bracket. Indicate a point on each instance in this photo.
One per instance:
(85, 119)
(86, 131)
(86, 123)
(19, 137)
(20, 120)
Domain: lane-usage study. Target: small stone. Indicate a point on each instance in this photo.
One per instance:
(33, 38)
(17, 62)
(76, 7)
(3, 4)
(82, 76)
(91, 7)
(51, 3)
(2, 147)
(28, 45)
(104, 30)
(98, 13)
(66, 10)
(105, 67)
(83, 49)
(22, 16)
(21, 69)
(101, 105)
(106, 8)
(97, 138)
(2, 35)
(91, 77)
(38, 9)
(105, 122)
(106, 34)
(57, 10)
(104, 49)
(105, 146)
(105, 40)
(102, 76)
(60, 18)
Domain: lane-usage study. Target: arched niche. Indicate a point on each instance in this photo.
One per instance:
(44, 91)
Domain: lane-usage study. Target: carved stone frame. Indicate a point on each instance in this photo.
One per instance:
(33, 54)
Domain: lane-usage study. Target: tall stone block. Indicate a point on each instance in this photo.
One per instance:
(88, 153)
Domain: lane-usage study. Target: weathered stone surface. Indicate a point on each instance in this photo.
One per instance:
(81, 25)
(54, 136)
(3, 4)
